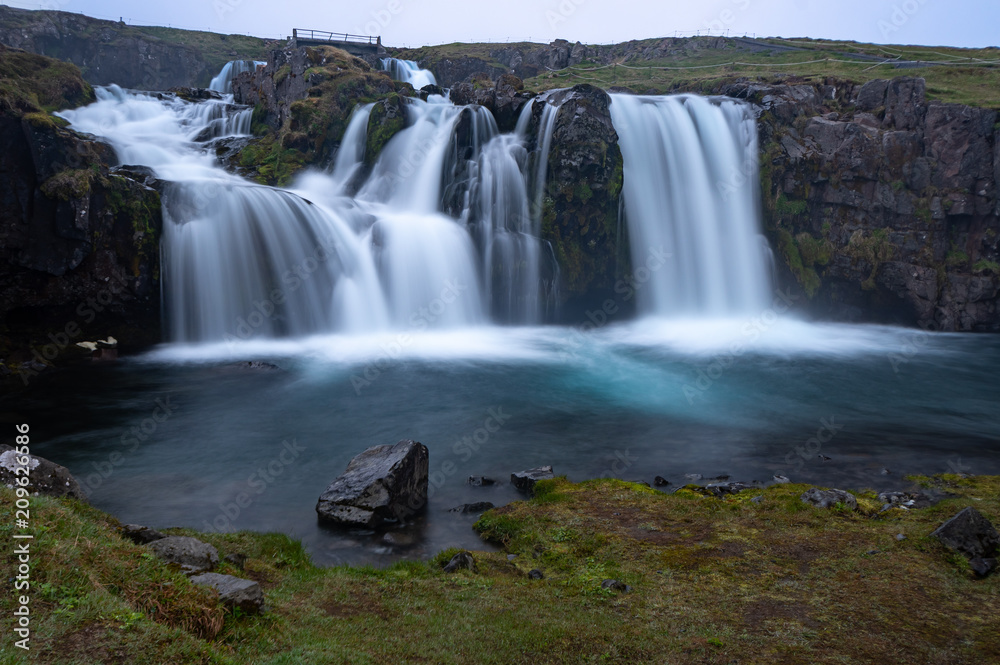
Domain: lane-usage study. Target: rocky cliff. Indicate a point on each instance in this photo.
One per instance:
(79, 241)
(880, 203)
(133, 57)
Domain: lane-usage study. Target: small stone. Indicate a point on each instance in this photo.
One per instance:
(480, 481)
(872, 552)
(758, 499)
(885, 471)
(983, 567)
(511, 557)
(778, 478)
(615, 585)
(829, 498)
(900, 536)
(462, 560)
(236, 559)
(660, 481)
(970, 533)
(186, 551)
(234, 591)
(824, 457)
(535, 574)
(397, 539)
(140, 535)
(525, 481)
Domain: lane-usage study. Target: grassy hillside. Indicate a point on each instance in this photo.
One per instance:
(968, 76)
(713, 581)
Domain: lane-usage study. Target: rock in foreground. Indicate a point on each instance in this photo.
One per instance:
(970, 533)
(188, 552)
(234, 591)
(384, 483)
(44, 477)
(829, 498)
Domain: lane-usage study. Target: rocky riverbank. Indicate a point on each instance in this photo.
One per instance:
(606, 569)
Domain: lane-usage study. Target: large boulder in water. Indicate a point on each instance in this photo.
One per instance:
(384, 483)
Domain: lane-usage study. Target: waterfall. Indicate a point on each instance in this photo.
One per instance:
(408, 71)
(223, 81)
(691, 191)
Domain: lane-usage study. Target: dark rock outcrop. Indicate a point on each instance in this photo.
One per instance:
(112, 52)
(461, 561)
(504, 98)
(384, 483)
(79, 242)
(882, 204)
(234, 592)
(580, 203)
(472, 508)
(189, 553)
(44, 477)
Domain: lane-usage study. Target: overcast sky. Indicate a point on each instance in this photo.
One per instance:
(974, 23)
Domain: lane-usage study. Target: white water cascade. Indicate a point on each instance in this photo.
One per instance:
(223, 81)
(409, 72)
(691, 188)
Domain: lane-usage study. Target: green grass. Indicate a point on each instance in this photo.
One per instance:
(966, 80)
(33, 85)
(714, 581)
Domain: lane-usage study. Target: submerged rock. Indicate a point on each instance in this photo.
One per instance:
(234, 591)
(384, 483)
(480, 481)
(469, 508)
(525, 481)
(187, 552)
(44, 477)
(829, 498)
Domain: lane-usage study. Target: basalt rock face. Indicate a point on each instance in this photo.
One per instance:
(880, 204)
(504, 98)
(79, 242)
(106, 51)
(302, 102)
(580, 203)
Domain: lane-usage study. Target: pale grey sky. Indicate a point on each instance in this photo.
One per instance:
(416, 22)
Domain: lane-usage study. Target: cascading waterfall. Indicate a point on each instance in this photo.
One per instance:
(690, 188)
(409, 72)
(443, 230)
(223, 81)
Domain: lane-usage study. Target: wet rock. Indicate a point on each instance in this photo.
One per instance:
(615, 585)
(186, 551)
(398, 539)
(236, 559)
(472, 508)
(780, 479)
(970, 533)
(525, 481)
(234, 592)
(140, 535)
(906, 500)
(384, 483)
(732, 487)
(535, 574)
(829, 498)
(660, 481)
(44, 477)
(461, 561)
(480, 481)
